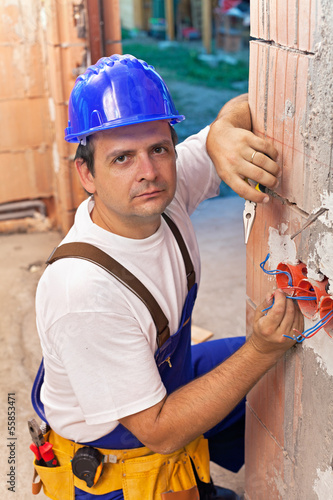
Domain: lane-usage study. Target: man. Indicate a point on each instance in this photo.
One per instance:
(120, 373)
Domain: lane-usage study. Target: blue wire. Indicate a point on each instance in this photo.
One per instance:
(275, 271)
(307, 332)
(301, 298)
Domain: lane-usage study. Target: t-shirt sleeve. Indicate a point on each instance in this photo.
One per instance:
(109, 364)
(197, 179)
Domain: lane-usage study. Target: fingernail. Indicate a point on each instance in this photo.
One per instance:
(279, 173)
(266, 199)
(277, 183)
(269, 297)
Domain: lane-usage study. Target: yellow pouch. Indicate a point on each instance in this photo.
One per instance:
(139, 472)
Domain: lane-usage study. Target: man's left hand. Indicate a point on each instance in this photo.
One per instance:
(239, 155)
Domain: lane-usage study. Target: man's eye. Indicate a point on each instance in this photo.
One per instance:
(159, 150)
(121, 159)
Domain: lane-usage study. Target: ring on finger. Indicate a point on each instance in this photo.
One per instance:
(253, 155)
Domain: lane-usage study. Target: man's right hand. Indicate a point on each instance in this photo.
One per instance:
(269, 328)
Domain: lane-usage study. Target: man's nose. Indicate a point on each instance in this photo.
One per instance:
(146, 169)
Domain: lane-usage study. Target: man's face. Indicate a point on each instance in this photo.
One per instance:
(135, 177)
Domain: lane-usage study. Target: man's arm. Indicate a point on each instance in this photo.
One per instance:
(198, 406)
(231, 144)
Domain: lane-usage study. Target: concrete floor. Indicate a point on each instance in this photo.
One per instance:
(220, 308)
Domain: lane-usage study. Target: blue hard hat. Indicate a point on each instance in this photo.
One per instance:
(116, 91)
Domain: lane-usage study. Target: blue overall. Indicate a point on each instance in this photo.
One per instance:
(178, 363)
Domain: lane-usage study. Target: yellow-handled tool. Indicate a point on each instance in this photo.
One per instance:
(250, 212)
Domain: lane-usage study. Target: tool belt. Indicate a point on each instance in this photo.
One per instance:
(139, 472)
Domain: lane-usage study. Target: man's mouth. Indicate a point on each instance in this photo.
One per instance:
(149, 193)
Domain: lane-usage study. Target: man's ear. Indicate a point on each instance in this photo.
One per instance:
(86, 177)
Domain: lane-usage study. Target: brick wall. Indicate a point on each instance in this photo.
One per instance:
(44, 46)
(26, 133)
(289, 437)
(67, 53)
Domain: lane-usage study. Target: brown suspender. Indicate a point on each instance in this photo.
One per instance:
(93, 254)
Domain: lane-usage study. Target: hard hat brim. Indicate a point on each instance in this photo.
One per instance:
(75, 138)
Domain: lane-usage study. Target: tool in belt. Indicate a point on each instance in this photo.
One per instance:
(41, 448)
(87, 463)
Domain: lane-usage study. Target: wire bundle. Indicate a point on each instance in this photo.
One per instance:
(310, 332)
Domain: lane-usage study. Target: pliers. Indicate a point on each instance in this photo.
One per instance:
(250, 211)
(41, 448)
(248, 218)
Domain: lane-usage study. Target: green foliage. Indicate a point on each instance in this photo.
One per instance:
(181, 62)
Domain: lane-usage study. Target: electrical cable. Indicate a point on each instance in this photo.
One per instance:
(310, 332)
(274, 272)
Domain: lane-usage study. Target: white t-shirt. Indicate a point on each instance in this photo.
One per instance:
(98, 338)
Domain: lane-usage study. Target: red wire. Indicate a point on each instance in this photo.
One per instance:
(328, 319)
(294, 288)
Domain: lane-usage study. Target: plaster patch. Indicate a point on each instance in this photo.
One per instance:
(312, 272)
(322, 345)
(327, 202)
(283, 228)
(323, 251)
(281, 248)
(323, 484)
(289, 109)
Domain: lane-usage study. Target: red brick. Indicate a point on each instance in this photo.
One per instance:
(25, 124)
(304, 25)
(272, 31)
(52, 32)
(54, 74)
(294, 23)
(21, 71)
(250, 311)
(26, 175)
(291, 23)
(286, 116)
(63, 63)
(265, 462)
(267, 401)
(65, 149)
(10, 24)
(310, 19)
(257, 86)
(71, 62)
(262, 20)
(253, 75)
(10, 83)
(298, 167)
(61, 23)
(282, 11)
(278, 103)
(270, 92)
(292, 422)
(254, 19)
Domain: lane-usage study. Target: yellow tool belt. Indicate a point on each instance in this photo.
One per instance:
(139, 472)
